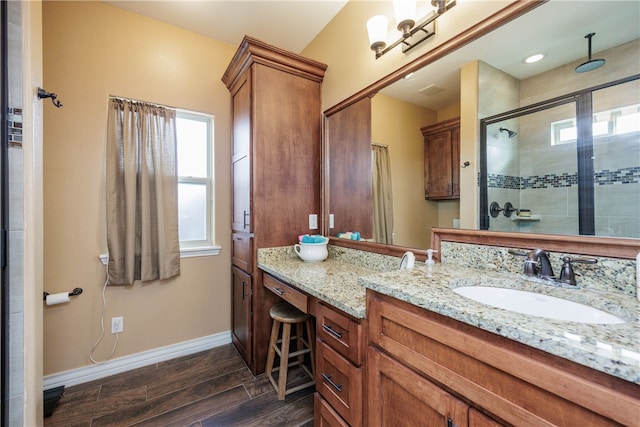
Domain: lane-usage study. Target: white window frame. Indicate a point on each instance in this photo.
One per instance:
(205, 247)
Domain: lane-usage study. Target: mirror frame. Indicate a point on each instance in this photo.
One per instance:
(604, 246)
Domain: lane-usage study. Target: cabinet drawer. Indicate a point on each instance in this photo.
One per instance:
(325, 415)
(340, 383)
(286, 292)
(241, 254)
(340, 332)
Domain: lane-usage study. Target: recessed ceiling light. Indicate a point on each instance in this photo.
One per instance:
(533, 58)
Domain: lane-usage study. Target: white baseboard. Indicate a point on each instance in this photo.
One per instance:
(134, 361)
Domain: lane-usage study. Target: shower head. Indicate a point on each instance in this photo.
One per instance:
(590, 64)
(510, 133)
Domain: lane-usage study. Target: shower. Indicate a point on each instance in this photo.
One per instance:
(510, 133)
(590, 64)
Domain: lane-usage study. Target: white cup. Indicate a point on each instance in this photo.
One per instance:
(311, 252)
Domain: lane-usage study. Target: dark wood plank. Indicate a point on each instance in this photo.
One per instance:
(266, 410)
(178, 399)
(76, 407)
(186, 391)
(194, 412)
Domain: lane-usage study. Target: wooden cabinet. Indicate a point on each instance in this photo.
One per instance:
(339, 372)
(415, 356)
(241, 310)
(442, 160)
(325, 415)
(276, 170)
(399, 396)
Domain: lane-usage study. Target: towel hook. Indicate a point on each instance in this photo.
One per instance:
(54, 98)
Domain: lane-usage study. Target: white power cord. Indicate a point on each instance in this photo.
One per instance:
(104, 310)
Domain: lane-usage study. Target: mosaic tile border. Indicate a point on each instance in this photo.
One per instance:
(15, 127)
(621, 176)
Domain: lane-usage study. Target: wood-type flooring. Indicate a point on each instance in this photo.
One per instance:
(207, 389)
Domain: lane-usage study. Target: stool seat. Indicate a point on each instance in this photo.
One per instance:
(286, 315)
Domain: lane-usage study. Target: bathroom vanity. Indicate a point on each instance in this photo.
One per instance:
(399, 344)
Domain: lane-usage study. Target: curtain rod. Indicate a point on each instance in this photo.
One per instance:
(379, 145)
(124, 98)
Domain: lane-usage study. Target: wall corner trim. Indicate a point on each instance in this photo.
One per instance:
(127, 363)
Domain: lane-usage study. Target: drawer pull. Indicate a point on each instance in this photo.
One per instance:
(327, 378)
(332, 331)
(450, 423)
(278, 291)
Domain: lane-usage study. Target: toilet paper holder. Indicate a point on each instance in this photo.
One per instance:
(73, 293)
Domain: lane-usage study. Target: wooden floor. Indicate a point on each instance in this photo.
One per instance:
(212, 388)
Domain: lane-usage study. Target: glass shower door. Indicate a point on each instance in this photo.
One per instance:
(616, 152)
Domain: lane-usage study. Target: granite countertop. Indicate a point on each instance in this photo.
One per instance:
(332, 281)
(613, 349)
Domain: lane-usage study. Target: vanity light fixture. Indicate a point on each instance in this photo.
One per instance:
(412, 34)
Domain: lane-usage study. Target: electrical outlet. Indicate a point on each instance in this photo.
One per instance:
(313, 221)
(104, 258)
(117, 324)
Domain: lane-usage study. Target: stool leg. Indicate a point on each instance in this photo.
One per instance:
(312, 345)
(272, 351)
(299, 343)
(284, 360)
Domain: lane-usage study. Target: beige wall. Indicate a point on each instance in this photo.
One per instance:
(93, 50)
(397, 124)
(344, 45)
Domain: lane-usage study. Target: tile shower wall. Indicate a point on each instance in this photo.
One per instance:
(15, 226)
(544, 177)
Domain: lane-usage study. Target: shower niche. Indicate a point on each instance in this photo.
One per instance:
(566, 165)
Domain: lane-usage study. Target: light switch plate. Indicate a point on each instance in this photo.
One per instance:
(313, 221)
(331, 221)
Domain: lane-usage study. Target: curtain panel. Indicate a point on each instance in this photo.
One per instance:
(382, 195)
(142, 192)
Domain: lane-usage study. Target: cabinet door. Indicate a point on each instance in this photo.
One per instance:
(241, 312)
(438, 171)
(241, 157)
(455, 162)
(398, 396)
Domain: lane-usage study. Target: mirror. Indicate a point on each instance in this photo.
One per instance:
(432, 94)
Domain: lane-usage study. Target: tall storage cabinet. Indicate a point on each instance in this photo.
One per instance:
(276, 174)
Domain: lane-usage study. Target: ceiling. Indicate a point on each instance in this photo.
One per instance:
(289, 25)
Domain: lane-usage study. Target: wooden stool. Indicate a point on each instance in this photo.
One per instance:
(286, 315)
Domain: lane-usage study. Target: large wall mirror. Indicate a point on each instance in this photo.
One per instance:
(389, 118)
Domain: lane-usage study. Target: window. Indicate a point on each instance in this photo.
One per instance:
(195, 183)
(617, 121)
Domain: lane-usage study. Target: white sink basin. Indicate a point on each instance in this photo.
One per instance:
(535, 304)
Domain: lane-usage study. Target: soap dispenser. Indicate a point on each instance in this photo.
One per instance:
(429, 261)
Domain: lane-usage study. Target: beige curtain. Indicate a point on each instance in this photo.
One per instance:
(142, 192)
(382, 195)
